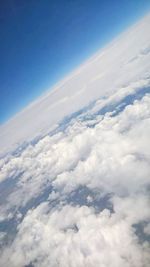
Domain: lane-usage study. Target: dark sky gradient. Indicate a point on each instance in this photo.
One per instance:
(42, 41)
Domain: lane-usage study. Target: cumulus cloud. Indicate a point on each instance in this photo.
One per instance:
(77, 236)
(109, 159)
(79, 196)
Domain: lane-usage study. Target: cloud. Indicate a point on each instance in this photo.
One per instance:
(82, 238)
(103, 156)
(109, 163)
(115, 163)
(79, 195)
(117, 68)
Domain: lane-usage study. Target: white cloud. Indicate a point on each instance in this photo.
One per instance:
(77, 236)
(103, 157)
(119, 70)
(112, 157)
(55, 190)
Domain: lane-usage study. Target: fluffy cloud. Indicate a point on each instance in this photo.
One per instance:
(80, 196)
(77, 236)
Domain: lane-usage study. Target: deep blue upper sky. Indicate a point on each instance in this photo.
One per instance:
(43, 40)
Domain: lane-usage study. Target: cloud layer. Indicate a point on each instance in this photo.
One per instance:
(125, 60)
(80, 197)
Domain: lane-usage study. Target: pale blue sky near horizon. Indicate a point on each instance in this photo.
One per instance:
(42, 41)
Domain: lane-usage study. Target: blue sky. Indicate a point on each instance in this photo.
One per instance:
(42, 41)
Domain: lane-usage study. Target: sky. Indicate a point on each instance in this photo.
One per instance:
(74, 165)
(42, 41)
